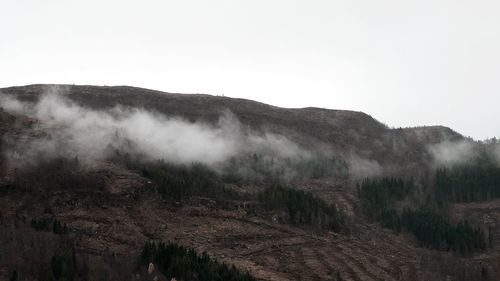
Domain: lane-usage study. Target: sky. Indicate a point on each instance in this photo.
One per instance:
(406, 63)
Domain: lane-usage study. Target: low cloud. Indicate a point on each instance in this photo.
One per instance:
(448, 153)
(76, 131)
(361, 168)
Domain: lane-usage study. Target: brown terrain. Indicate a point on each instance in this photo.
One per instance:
(109, 227)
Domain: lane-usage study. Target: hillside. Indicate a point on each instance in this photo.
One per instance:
(348, 131)
(314, 229)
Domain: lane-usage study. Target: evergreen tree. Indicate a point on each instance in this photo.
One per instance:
(182, 263)
(303, 208)
(379, 194)
(428, 225)
(477, 180)
(2, 157)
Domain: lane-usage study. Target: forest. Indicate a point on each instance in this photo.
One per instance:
(379, 194)
(180, 182)
(303, 208)
(2, 157)
(181, 263)
(177, 183)
(57, 173)
(477, 180)
(437, 231)
(253, 168)
(428, 224)
(62, 265)
(49, 224)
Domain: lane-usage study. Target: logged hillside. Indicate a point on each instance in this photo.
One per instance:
(131, 216)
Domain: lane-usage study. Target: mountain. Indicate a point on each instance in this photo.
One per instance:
(349, 131)
(276, 217)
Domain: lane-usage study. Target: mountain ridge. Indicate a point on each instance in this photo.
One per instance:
(41, 88)
(346, 130)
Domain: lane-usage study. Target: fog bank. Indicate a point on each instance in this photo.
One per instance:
(76, 131)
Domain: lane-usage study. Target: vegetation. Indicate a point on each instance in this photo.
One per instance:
(436, 231)
(302, 208)
(261, 169)
(62, 265)
(429, 225)
(379, 194)
(320, 167)
(49, 224)
(181, 263)
(475, 181)
(2, 157)
(57, 174)
(179, 182)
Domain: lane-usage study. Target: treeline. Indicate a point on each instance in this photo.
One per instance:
(49, 224)
(264, 169)
(181, 263)
(63, 265)
(436, 231)
(56, 174)
(429, 225)
(476, 181)
(302, 208)
(2, 157)
(319, 166)
(179, 182)
(377, 195)
(255, 168)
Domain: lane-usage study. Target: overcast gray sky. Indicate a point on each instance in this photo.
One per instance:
(406, 63)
